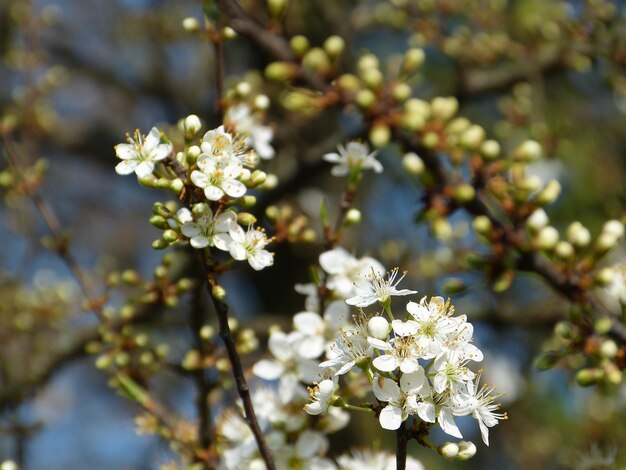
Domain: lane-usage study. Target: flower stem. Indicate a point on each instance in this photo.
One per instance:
(361, 409)
(401, 446)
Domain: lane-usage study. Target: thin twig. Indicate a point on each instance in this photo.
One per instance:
(402, 440)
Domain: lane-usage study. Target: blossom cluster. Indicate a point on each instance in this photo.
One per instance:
(208, 177)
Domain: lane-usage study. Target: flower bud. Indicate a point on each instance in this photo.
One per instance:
(365, 98)
(177, 185)
(149, 181)
(418, 107)
(170, 236)
(482, 225)
(430, 139)
(564, 250)
(276, 7)
(245, 218)
(441, 228)
(605, 276)
(158, 221)
(578, 235)
(229, 33)
(243, 88)
(257, 178)
(334, 45)
(372, 78)
(605, 243)
(458, 125)
(378, 327)
(353, 217)
(218, 292)
(608, 349)
(602, 325)
(248, 200)
(549, 194)
(192, 125)
(537, 220)
(490, 149)
(271, 181)
(299, 45)
(444, 108)
(316, 59)
(453, 286)
(413, 164)
(348, 82)
(207, 332)
(261, 102)
(192, 360)
(467, 450)
(528, 151)
(614, 227)
(589, 376)
(401, 92)
(281, 71)
(191, 25)
(548, 360)
(413, 60)
(547, 238)
(308, 235)
(473, 137)
(448, 450)
(464, 193)
(380, 134)
(367, 61)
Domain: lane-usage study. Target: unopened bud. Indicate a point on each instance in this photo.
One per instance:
(401, 92)
(473, 137)
(365, 98)
(605, 276)
(299, 45)
(257, 177)
(367, 61)
(380, 134)
(261, 102)
(444, 108)
(413, 164)
(490, 149)
(590, 376)
(372, 78)
(170, 236)
(564, 250)
(448, 450)
(413, 60)
(207, 332)
(353, 217)
(467, 450)
(441, 228)
(482, 225)
(458, 125)
(191, 25)
(464, 193)
(605, 243)
(276, 7)
(192, 125)
(430, 139)
(602, 325)
(614, 227)
(177, 185)
(271, 181)
(218, 292)
(281, 71)
(229, 33)
(415, 106)
(528, 151)
(334, 46)
(245, 218)
(316, 59)
(158, 221)
(547, 238)
(248, 200)
(608, 349)
(378, 327)
(453, 286)
(243, 88)
(548, 360)
(103, 362)
(578, 235)
(537, 220)
(549, 194)
(348, 82)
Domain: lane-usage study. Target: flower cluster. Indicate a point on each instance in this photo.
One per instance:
(217, 172)
(417, 365)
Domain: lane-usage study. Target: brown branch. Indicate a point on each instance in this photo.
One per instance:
(402, 440)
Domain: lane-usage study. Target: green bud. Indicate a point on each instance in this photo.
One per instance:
(103, 362)
(547, 238)
(245, 218)
(441, 228)
(192, 360)
(160, 272)
(316, 59)
(218, 292)
(158, 222)
(160, 244)
(473, 137)
(353, 217)
(578, 235)
(604, 277)
(444, 108)
(528, 151)
(348, 82)
(281, 71)
(401, 92)
(177, 185)
(365, 98)
(334, 45)
(614, 227)
(207, 332)
(448, 450)
(163, 183)
(367, 61)
(537, 220)
(608, 349)
(299, 45)
(458, 125)
(272, 213)
(372, 78)
(192, 125)
(482, 225)
(564, 250)
(418, 107)
(467, 450)
(308, 235)
(131, 276)
(602, 325)
(605, 243)
(248, 200)
(257, 177)
(589, 376)
(413, 60)
(276, 7)
(380, 134)
(430, 139)
(191, 25)
(149, 181)
(490, 150)
(184, 285)
(170, 236)
(229, 33)
(453, 286)
(261, 102)
(464, 193)
(549, 194)
(565, 330)
(413, 164)
(122, 359)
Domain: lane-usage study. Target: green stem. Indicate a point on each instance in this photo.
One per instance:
(361, 409)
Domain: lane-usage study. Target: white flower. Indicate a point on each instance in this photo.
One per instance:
(354, 156)
(479, 403)
(220, 145)
(436, 407)
(218, 177)
(434, 323)
(257, 136)
(345, 270)
(208, 229)
(139, 156)
(312, 328)
(617, 286)
(349, 349)
(401, 400)
(250, 246)
(400, 352)
(320, 397)
(451, 373)
(377, 289)
(374, 460)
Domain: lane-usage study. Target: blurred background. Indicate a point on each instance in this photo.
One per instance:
(77, 75)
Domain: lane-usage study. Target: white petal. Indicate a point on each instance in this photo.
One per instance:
(221, 241)
(339, 171)
(332, 157)
(426, 411)
(413, 382)
(126, 167)
(144, 169)
(213, 193)
(152, 140)
(390, 417)
(199, 179)
(199, 242)
(162, 151)
(261, 259)
(268, 369)
(190, 229)
(446, 421)
(386, 389)
(126, 152)
(279, 345)
(237, 251)
(379, 344)
(311, 347)
(484, 432)
(334, 261)
(234, 188)
(405, 328)
(308, 322)
(408, 365)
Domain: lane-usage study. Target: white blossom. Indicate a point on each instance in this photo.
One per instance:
(208, 229)
(320, 396)
(355, 155)
(617, 287)
(220, 145)
(140, 156)
(366, 459)
(401, 399)
(249, 245)
(345, 270)
(218, 177)
(378, 289)
(257, 136)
